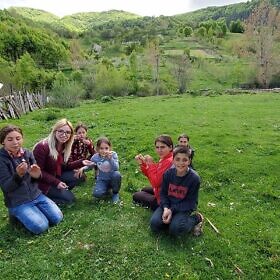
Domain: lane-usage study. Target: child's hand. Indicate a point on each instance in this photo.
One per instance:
(35, 171)
(78, 173)
(140, 159)
(148, 159)
(87, 162)
(108, 154)
(21, 169)
(86, 141)
(62, 185)
(166, 216)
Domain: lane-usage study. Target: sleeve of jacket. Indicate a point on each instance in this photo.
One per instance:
(9, 179)
(114, 161)
(91, 148)
(164, 200)
(155, 172)
(41, 154)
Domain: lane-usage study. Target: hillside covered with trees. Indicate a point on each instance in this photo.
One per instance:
(115, 53)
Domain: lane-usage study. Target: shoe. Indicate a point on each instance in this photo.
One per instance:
(115, 198)
(197, 230)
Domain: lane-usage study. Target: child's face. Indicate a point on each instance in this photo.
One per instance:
(103, 149)
(13, 142)
(181, 162)
(81, 133)
(162, 149)
(183, 141)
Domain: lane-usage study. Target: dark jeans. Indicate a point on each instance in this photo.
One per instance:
(146, 198)
(64, 196)
(181, 222)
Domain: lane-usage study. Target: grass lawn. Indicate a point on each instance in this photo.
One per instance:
(237, 144)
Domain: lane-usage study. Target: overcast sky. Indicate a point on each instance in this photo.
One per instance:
(143, 8)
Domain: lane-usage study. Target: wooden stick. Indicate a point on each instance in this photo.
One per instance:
(212, 225)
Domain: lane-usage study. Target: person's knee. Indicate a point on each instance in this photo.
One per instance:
(178, 228)
(97, 193)
(39, 227)
(175, 229)
(154, 226)
(56, 219)
(116, 177)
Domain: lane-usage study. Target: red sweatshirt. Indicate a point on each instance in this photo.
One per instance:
(155, 171)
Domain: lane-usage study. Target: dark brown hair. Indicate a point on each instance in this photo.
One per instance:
(101, 140)
(183, 136)
(165, 139)
(80, 125)
(6, 130)
(182, 150)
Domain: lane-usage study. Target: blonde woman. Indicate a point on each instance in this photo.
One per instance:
(52, 154)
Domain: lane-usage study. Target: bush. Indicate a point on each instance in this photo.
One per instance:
(106, 98)
(66, 95)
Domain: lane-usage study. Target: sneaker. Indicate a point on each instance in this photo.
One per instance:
(115, 198)
(197, 230)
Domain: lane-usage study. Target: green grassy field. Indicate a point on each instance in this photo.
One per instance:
(236, 138)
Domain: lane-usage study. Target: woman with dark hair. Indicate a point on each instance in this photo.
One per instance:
(52, 155)
(18, 179)
(149, 196)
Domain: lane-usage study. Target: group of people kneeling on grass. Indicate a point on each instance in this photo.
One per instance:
(35, 183)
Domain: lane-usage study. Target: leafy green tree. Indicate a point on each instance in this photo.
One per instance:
(25, 72)
(111, 81)
(236, 27)
(188, 31)
(6, 72)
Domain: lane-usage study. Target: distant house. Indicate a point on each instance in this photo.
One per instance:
(96, 48)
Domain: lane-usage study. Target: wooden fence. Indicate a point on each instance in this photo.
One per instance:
(13, 106)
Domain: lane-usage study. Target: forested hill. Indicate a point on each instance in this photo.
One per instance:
(229, 12)
(84, 21)
(78, 22)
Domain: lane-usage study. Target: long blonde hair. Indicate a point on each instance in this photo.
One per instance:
(52, 141)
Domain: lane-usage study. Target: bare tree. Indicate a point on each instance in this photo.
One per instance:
(261, 29)
(181, 66)
(154, 60)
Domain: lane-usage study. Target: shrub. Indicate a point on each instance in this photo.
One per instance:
(65, 95)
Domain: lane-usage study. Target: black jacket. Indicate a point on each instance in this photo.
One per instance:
(17, 190)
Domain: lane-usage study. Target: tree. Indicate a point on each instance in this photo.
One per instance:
(153, 53)
(181, 69)
(188, 31)
(236, 27)
(262, 26)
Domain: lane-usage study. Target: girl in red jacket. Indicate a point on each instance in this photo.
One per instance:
(149, 196)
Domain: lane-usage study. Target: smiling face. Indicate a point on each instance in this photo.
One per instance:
(181, 162)
(63, 134)
(183, 141)
(13, 142)
(162, 149)
(81, 133)
(103, 149)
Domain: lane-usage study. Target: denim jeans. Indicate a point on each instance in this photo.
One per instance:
(102, 186)
(38, 214)
(181, 222)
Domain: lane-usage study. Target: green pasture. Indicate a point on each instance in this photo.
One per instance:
(237, 143)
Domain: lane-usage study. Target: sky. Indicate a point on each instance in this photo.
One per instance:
(142, 8)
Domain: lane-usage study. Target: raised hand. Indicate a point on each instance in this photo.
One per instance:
(35, 171)
(21, 169)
